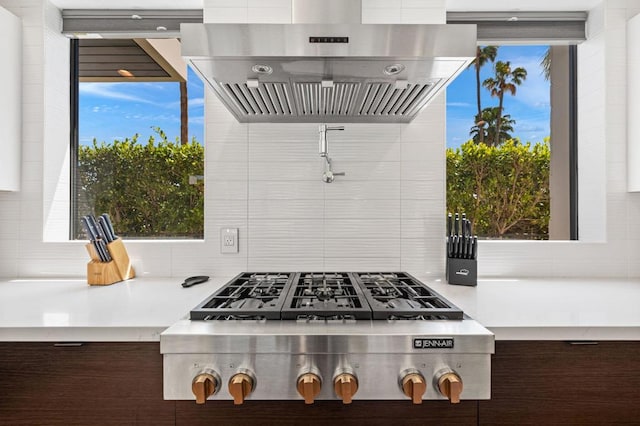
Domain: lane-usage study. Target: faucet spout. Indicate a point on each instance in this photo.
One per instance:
(323, 147)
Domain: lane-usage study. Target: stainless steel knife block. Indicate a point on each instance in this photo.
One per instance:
(107, 273)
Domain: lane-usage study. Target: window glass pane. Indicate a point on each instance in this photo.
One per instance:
(499, 151)
(131, 160)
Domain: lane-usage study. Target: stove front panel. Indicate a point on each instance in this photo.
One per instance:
(276, 374)
(277, 353)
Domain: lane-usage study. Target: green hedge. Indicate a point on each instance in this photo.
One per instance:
(144, 187)
(504, 190)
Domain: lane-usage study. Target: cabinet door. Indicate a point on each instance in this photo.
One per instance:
(358, 413)
(10, 100)
(537, 383)
(93, 384)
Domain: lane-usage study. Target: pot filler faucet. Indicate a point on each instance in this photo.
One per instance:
(328, 176)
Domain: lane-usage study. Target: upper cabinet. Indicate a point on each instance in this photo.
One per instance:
(633, 104)
(10, 100)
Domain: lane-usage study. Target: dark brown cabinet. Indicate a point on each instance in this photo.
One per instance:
(93, 384)
(121, 384)
(551, 382)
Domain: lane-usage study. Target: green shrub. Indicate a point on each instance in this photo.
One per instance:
(504, 190)
(144, 187)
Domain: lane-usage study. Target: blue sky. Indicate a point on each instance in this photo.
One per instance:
(111, 111)
(530, 106)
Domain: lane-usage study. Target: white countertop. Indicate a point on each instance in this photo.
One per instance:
(70, 310)
(140, 309)
(551, 308)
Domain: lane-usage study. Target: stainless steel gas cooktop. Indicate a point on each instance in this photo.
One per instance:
(326, 335)
(325, 296)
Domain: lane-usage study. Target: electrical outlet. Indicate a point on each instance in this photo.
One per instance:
(229, 240)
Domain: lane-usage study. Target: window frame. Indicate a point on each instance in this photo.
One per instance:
(74, 228)
(545, 28)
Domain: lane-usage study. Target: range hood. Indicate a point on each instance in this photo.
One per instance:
(347, 73)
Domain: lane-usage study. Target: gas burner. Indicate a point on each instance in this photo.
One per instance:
(325, 295)
(248, 295)
(247, 304)
(394, 295)
(403, 304)
(330, 318)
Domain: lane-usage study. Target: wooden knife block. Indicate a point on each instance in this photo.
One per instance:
(107, 273)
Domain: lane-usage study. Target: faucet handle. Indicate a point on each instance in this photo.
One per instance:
(323, 128)
(339, 173)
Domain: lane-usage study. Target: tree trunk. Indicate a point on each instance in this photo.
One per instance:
(499, 120)
(479, 116)
(184, 114)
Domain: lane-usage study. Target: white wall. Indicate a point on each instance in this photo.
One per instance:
(265, 179)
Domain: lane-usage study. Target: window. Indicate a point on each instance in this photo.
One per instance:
(511, 139)
(137, 138)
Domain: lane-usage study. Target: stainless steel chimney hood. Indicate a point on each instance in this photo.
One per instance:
(347, 73)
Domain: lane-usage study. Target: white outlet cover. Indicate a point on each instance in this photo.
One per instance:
(228, 240)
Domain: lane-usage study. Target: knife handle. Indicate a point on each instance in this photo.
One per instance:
(456, 229)
(87, 228)
(474, 252)
(105, 229)
(107, 221)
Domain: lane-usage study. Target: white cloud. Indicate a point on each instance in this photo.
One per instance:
(459, 104)
(196, 102)
(153, 117)
(110, 91)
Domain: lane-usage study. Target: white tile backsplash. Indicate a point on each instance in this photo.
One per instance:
(423, 16)
(286, 248)
(286, 190)
(361, 263)
(362, 209)
(362, 228)
(266, 229)
(226, 3)
(363, 190)
(286, 4)
(382, 15)
(226, 15)
(286, 209)
(377, 4)
(269, 15)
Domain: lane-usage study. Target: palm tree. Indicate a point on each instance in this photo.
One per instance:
(505, 80)
(545, 64)
(489, 118)
(483, 55)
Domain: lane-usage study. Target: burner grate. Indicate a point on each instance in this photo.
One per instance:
(325, 295)
(398, 295)
(250, 295)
